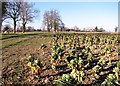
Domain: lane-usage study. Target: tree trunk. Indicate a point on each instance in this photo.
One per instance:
(0, 15)
(14, 30)
(0, 26)
(48, 29)
(23, 27)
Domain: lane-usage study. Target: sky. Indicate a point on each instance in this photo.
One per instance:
(81, 14)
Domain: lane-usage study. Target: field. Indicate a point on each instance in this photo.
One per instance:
(61, 58)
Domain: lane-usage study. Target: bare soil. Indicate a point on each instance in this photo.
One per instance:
(15, 70)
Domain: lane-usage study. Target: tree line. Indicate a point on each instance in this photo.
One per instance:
(25, 12)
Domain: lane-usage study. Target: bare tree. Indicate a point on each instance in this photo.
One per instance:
(52, 20)
(0, 15)
(101, 30)
(7, 28)
(76, 28)
(3, 12)
(13, 12)
(61, 25)
(55, 18)
(116, 29)
(96, 29)
(27, 14)
(46, 20)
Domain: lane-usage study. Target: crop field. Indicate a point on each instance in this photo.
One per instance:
(61, 59)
